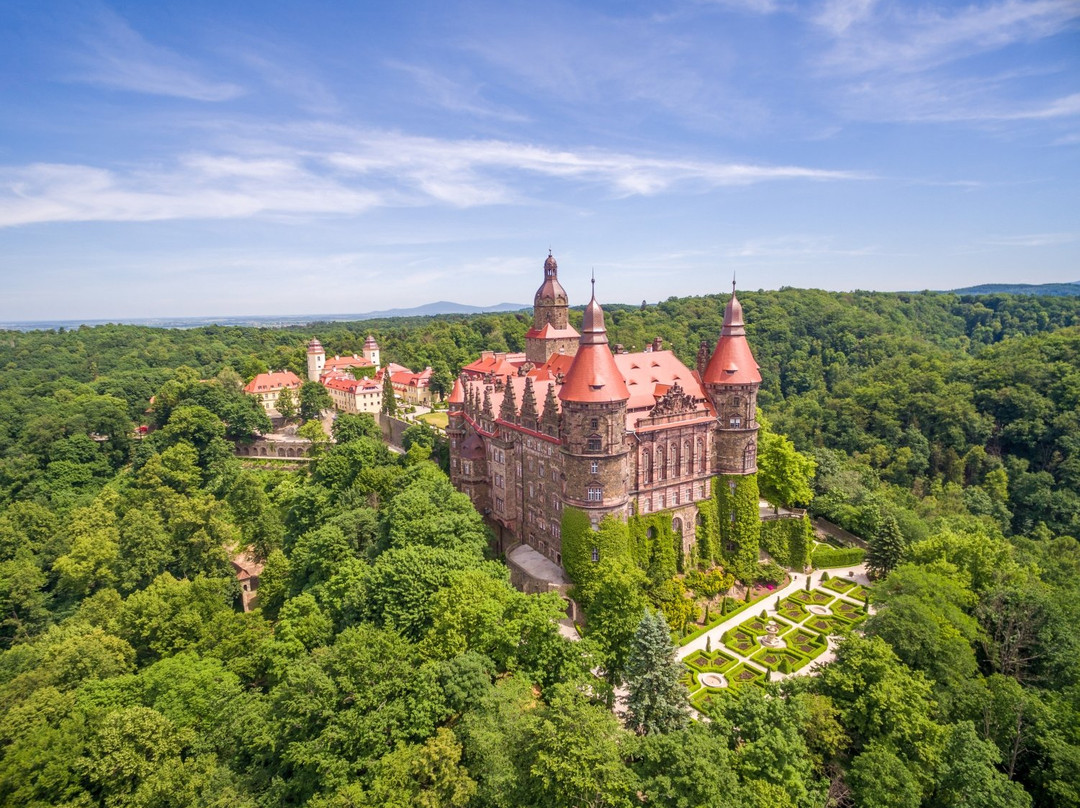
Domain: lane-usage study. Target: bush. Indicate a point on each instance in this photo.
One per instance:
(824, 577)
(834, 557)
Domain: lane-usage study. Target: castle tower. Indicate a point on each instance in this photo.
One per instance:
(371, 351)
(732, 380)
(316, 358)
(551, 332)
(593, 429)
(456, 428)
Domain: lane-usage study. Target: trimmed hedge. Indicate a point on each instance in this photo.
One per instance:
(826, 557)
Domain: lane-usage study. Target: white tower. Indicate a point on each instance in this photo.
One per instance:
(371, 351)
(316, 358)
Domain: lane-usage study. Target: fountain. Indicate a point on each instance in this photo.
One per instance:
(712, 680)
(818, 610)
(770, 638)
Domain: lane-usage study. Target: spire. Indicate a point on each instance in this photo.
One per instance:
(457, 395)
(487, 412)
(732, 362)
(551, 411)
(528, 404)
(593, 375)
(508, 410)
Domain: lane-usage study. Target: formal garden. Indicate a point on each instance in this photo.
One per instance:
(784, 641)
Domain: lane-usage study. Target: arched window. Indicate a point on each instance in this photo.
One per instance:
(749, 457)
(661, 465)
(673, 458)
(651, 533)
(688, 455)
(703, 461)
(676, 525)
(594, 493)
(700, 519)
(646, 465)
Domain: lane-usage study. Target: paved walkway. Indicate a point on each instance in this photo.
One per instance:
(857, 574)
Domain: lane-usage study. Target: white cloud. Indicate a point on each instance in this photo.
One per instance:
(1033, 240)
(116, 56)
(331, 170)
(903, 38)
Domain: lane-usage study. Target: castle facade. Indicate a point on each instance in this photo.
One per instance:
(572, 423)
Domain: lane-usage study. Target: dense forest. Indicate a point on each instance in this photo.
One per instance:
(391, 663)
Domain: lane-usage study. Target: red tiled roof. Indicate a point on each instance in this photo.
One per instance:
(732, 362)
(495, 363)
(649, 374)
(593, 374)
(354, 361)
(269, 382)
(551, 332)
(348, 384)
(457, 395)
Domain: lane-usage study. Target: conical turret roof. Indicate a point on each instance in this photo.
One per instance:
(732, 362)
(457, 395)
(593, 375)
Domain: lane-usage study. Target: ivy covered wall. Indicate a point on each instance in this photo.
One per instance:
(788, 541)
(737, 498)
(579, 540)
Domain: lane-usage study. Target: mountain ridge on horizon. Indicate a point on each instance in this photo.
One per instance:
(437, 308)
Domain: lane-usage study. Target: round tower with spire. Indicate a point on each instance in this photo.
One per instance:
(551, 332)
(316, 359)
(371, 350)
(732, 380)
(593, 430)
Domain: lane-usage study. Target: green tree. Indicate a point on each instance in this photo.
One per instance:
(784, 474)
(880, 779)
(887, 548)
(656, 700)
(287, 404)
(389, 401)
(313, 400)
(614, 612)
(348, 427)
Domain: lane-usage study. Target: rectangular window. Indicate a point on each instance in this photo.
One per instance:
(594, 445)
(736, 422)
(595, 466)
(595, 493)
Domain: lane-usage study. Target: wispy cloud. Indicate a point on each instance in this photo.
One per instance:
(902, 38)
(118, 57)
(1033, 240)
(330, 170)
(454, 96)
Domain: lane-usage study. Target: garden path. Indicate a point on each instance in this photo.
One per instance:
(856, 573)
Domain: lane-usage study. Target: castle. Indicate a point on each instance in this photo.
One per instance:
(570, 423)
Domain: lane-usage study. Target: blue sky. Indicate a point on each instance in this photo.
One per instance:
(209, 158)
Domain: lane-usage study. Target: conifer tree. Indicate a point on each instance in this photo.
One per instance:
(389, 403)
(886, 548)
(656, 700)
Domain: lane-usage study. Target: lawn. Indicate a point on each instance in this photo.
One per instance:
(439, 419)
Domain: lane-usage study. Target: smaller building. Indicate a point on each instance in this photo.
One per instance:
(412, 388)
(353, 395)
(266, 387)
(248, 571)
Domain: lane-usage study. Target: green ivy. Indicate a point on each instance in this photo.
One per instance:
(657, 555)
(708, 534)
(743, 533)
(788, 541)
(611, 542)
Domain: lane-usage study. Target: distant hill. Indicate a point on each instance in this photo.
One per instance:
(266, 320)
(441, 307)
(1047, 289)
